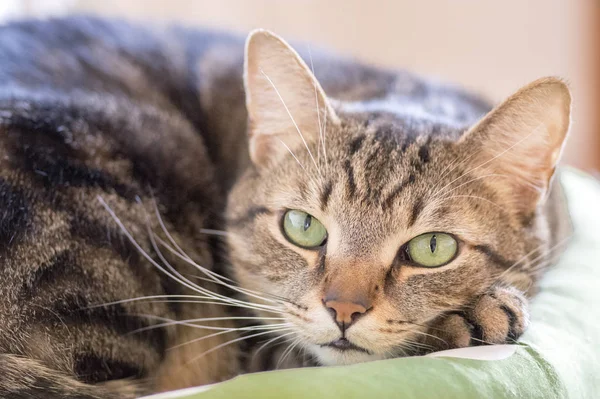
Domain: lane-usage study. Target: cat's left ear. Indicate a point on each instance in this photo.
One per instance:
(521, 140)
(286, 105)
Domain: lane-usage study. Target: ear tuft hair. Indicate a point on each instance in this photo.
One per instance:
(286, 105)
(523, 137)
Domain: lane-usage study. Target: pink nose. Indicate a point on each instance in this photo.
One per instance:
(345, 313)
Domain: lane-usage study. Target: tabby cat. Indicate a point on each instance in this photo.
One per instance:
(157, 180)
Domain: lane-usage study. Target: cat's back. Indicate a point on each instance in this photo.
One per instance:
(86, 130)
(89, 53)
(198, 73)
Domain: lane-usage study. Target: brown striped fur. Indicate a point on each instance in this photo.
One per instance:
(95, 111)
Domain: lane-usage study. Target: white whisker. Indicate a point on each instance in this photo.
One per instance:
(137, 246)
(288, 351)
(321, 138)
(455, 165)
(489, 160)
(291, 117)
(200, 339)
(558, 245)
(153, 238)
(214, 277)
(271, 341)
(181, 279)
(191, 323)
(228, 343)
(148, 297)
(212, 335)
(172, 240)
(473, 180)
(217, 278)
(474, 197)
(215, 232)
(325, 137)
(293, 155)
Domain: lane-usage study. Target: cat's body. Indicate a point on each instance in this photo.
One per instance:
(94, 112)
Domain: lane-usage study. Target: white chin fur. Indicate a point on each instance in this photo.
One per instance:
(335, 357)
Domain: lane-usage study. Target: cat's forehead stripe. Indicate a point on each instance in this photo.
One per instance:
(389, 201)
(416, 211)
(351, 182)
(325, 194)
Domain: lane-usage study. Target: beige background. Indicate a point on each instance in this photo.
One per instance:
(492, 47)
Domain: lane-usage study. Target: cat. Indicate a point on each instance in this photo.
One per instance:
(391, 216)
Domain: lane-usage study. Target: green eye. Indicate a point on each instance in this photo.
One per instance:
(432, 249)
(303, 229)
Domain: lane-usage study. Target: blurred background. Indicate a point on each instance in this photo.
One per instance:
(491, 47)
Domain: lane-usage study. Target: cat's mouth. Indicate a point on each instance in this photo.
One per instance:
(342, 344)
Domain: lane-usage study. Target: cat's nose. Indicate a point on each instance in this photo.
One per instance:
(344, 313)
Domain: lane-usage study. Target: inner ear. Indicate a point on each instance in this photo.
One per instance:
(522, 139)
(286, 105)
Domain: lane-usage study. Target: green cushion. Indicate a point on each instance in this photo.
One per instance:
(558, 357)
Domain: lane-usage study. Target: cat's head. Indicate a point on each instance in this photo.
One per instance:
(370, 228)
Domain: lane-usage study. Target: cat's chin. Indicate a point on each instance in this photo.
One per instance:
(328, 356)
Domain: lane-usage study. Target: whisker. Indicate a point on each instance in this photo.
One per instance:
(210, 336)
(431, 336)
(543, 264)
(190, 323)
(489, 160)
(181, 279)
(137, 246)
(164, 227)
(178, 249)
(291, 117)
(422, 333)
(287, 352)
(200, 339)
(148, 297)
(473, 180)
(325, 137)
(401, 349)
(233, 341)
(244, 290)
(312, 67)
(455, 165)
(210, 303)
(557, 246)
(293, 155)
(215, 232)
(271, 341)
(474, 197)
(548, 252)
(415, 346)
(214, 277)
(153, 238)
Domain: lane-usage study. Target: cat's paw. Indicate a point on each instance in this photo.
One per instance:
(497, 317)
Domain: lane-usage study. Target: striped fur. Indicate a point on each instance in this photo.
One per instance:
(95, 111)
(84, 115)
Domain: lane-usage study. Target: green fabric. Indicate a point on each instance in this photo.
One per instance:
(559, 355)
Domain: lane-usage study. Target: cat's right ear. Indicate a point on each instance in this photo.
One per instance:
(286, 105)
(521, 140)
